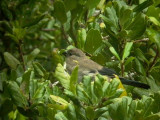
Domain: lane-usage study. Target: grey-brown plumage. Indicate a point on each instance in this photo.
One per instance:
(89, 67)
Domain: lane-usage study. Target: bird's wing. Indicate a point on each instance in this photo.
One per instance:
(107, 71)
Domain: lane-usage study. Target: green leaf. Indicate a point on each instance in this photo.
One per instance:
(19, 33)
(144, 107)
(81, 38)
(62, 76)
(113, 51)
(154, 20)
(33, 21)
(123, 109)
(59, 11)
(60, 100)
(3, 78)
(70, 4)
(5, 10)
(156, 102)
(33, 86)
(112, 88)
(153, 11)
(40, 91)
(152, 83)
(12, 37)
(127, 50)
(39, 69)
(98, 88)
(26, 78)
(72, 97)
(111, 20)
(93, 41)
(71, 112)
(154, 37)
(137, 27)
(74, 80)
(101, 4)
(11, 60)
(90, 113)
(17, 97)
(143, 5)
(60, 116)
(155, 116)
(130, 59)
(140, 55)
(87, 84)
(92, 4)
(139, 67)
(33, 54)
(6, 26)
(125, 17)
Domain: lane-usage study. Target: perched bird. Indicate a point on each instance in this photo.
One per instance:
(89, 67)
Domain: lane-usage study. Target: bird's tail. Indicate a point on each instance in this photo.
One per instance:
(134, 83)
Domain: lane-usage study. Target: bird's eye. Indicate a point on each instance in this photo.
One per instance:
(69, 54)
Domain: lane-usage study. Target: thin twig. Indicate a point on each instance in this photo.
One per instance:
(65, 35)
(72, 32)
(122, 68)
(105, 37)
(21, 54)
(142, 40)
(153, 62)
(48, 30)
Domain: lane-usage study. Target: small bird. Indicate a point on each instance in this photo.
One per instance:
(87, 66)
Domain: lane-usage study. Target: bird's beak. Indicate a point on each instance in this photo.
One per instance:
(64, 53)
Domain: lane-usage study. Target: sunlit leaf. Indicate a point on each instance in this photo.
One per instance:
(74, 80)
(114, 52)
(127, 50)
(62, 76)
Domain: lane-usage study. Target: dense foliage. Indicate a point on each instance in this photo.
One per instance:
(120, 34)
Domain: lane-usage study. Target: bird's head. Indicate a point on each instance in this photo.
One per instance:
(74, 52)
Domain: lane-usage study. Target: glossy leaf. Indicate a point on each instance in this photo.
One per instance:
(143, 5)
(26, 78)
(62, 76)
(60, 116)
(11, 60)
(74, 80)
(16, 94)
(154, 36)
(154, 20)
(91, 4)
(113, 51)
(81, 38)
(93, 41)
(130, 59)
(59, 100)
(137, 27)
(127, 50)
(70, 4)
(71, 112)
(139, 67)
(39, 69)
(33, 54)
(59, 11)
(90, 113)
